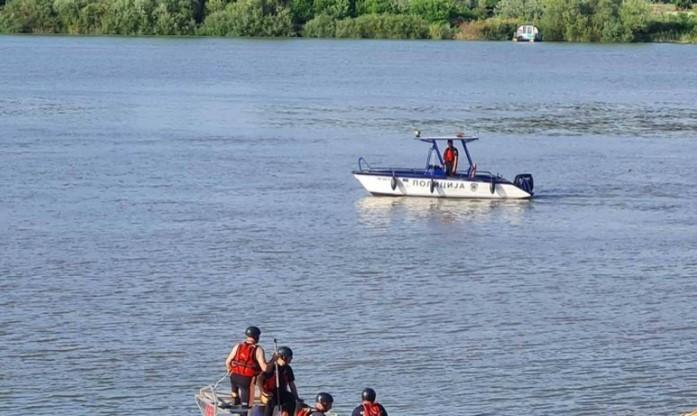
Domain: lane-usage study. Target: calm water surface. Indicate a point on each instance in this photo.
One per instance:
(159, 195)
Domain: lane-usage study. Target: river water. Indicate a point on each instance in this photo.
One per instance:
(160, 195)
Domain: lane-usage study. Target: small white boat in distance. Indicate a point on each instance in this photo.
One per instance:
(527, 33)
(432, 181)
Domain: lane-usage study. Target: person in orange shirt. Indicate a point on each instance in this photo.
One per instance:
(450, 156)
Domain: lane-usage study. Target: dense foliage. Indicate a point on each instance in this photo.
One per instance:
(683, 4)
(122, 17)
(562, 20)
(594, 20)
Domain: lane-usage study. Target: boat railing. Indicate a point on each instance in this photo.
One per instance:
(487, 173)
(361, 161)
(364, 166)
(210, 392)
(496, 177)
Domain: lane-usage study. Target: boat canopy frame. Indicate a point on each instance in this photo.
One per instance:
(432, 170)
(434, 147)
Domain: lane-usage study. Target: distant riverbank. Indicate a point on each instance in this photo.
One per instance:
(558, 20)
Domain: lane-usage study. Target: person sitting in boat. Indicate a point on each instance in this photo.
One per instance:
(368, 406)
(324, 404)
(245, 361)
(285, 390)
(450, 156)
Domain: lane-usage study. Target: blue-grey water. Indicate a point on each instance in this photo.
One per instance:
(159, 195)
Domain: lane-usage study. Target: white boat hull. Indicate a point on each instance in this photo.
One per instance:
(441, 188)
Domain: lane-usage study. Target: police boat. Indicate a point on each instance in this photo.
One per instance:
(215, 399)
(433, 180)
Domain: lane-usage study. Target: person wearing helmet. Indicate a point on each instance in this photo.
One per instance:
(245, 361)
(368, 406)
(285, 392)
(324, 402)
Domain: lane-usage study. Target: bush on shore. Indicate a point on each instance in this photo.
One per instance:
(594, 20)
(29, 16)
(321, 26)
(489, 29)
(383, 26)
(249, 18)
(680, 27)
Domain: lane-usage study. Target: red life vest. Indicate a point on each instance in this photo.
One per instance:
(304, 411)
(245, 361)
(449, 155)
(269, 384)
(371, 409)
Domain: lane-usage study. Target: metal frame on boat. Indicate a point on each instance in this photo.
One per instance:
(212, 400)
(432, 181)
(215, 399)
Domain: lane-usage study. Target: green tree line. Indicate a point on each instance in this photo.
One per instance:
(562, 20)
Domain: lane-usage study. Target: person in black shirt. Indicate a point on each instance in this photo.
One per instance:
(368, 406)
(285, 393)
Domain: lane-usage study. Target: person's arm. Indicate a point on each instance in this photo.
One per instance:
(456, 158)
(231, 356)
(261, 360)
(294, 390)
(357, 411)
(384, 412)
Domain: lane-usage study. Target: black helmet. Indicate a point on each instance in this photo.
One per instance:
(368, 394)
(285, 352)
(253, 332)
(324, 398)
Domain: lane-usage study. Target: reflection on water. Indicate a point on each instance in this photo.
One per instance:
(380, 211)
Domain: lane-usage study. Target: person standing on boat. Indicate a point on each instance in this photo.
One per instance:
(245, 361)
(450, 156)
(285, 392)
(323, 405)
(368, 406)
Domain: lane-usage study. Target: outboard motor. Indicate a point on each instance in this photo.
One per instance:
(524, 181)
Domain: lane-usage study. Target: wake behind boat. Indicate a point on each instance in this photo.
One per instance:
(440, 180)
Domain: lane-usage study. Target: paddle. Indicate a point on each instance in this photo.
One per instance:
(278, 383)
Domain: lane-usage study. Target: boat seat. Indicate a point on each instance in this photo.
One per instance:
(435, 170)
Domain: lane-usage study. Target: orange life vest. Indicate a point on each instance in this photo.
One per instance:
(371, 409)
(245, 361)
